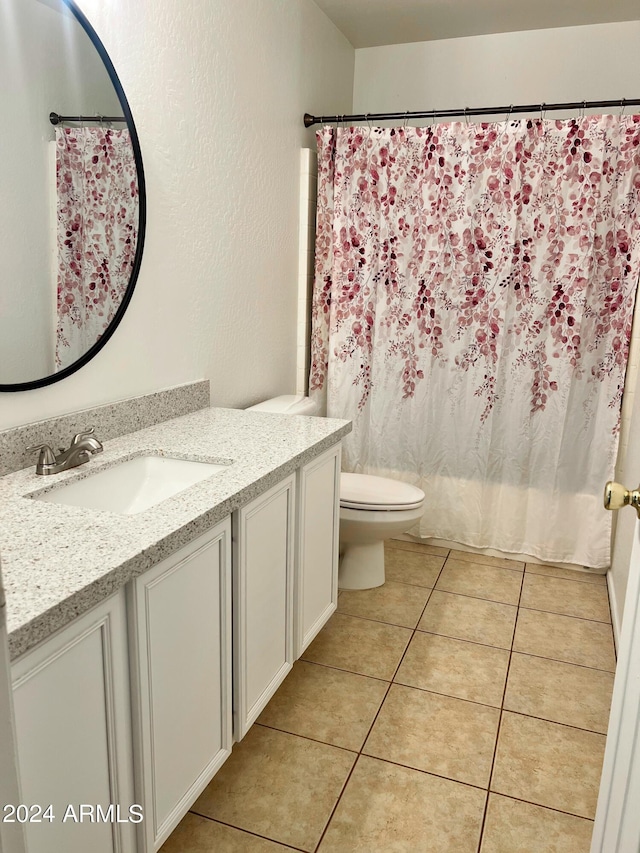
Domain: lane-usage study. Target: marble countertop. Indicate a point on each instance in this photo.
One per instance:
(59, 561)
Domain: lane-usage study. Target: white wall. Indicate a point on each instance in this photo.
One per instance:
(573, 63)
(47, 63)
(217, 89)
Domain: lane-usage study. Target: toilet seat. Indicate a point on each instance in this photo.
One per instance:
(368, 492)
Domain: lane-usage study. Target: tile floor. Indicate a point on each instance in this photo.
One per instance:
(460, 708)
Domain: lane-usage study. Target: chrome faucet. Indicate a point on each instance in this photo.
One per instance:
(83, 446)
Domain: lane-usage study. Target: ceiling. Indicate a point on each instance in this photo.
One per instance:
(369, 23)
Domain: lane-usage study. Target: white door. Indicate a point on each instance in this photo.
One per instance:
(617, 822)
(182, 669)
(263, 566)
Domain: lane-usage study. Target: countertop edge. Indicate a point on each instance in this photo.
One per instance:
(43, 626)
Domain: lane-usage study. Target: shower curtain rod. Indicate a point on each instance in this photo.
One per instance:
(310, 120)
(54, 118)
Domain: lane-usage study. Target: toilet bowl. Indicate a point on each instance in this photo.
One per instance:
(372, 509)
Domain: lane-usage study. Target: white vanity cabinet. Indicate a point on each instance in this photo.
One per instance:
(180, 639)
(318, 518)
(73, 733)
(134, 706)
(263, 579)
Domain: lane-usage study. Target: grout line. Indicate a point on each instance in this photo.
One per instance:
(476, 597)
(570, 615)
(495, 748)
(247, 831)
(453, 556)
(340, 669)
(360, 753)
(382, 621)
(561, 660)
(424, 772)
(445, 695)
(571, 580)
(465, 640)
(567, 662)
(308, 737)
(541, 806)
(554, 722)
(402, 583)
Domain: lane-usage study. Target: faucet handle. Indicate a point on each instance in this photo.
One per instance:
(47, 456)
(80, 435)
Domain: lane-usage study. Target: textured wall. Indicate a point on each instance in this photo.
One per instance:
(217, 89)
(572, 63)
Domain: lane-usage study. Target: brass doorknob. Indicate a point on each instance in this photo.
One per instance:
(616, 496)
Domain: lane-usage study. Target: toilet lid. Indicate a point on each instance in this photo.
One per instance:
(364, 491)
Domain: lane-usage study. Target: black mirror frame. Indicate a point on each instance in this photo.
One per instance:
(142, 218)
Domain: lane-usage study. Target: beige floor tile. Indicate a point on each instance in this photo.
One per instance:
(412, 567)
(558, 595)
(486, 560)
(391, 809)
(469, 619)
(455, 668)
(278, 785)
(480, 581)
(548, 764)
(564, 638)
(396, 603)
(438, 734)
(567, 574)
(514, 827)
(359, 645)
(325, 704)
(195, 834)
(418, 547)
(561, 692)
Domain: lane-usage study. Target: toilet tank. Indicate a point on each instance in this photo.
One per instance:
(287, 404)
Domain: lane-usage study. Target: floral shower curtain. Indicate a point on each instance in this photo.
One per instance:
(472, 309)
(97, 212)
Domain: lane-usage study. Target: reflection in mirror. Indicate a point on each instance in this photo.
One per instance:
(70, 215)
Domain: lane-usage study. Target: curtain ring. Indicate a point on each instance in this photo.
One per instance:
(508, 115)
(406, 120)
(623, 106)
(543, 109)
(466, 117)
(582, 109)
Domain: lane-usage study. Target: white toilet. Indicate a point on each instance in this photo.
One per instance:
(372, 509)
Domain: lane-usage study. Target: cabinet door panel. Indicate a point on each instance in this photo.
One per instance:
(72, 715)
(182, 627)
(317, 531)
(263, 592)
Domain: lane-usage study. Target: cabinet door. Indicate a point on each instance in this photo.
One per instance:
(72, 714)
(181, 665)
(316, 589)
(263, 600)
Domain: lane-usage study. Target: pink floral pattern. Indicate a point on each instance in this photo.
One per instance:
(494, 263)
(97, 209)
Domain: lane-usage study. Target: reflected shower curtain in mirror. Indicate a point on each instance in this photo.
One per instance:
(97, 213)
(472, 309)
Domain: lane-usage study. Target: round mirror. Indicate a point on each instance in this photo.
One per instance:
(72, 217)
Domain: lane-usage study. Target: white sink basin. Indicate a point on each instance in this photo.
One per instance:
(134, 485)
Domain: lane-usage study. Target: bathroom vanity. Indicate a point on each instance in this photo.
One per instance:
(144, 644)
